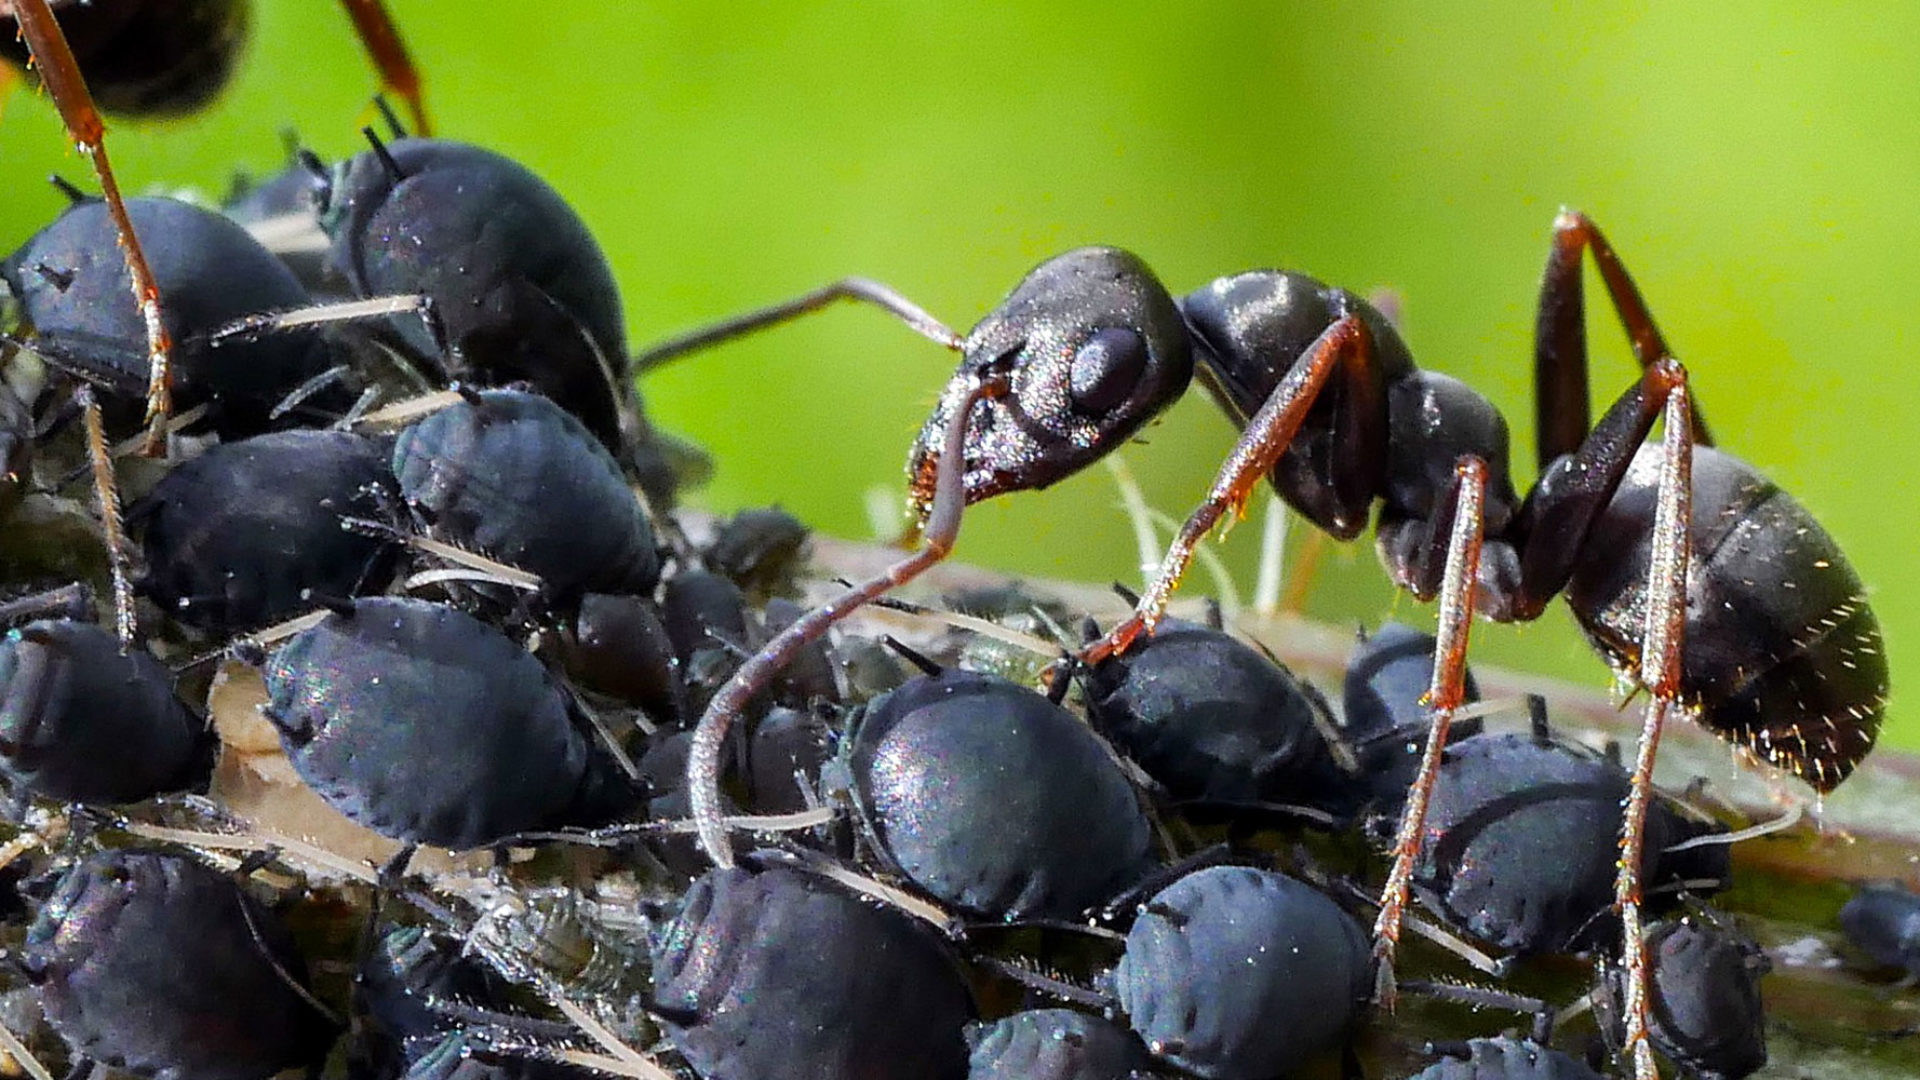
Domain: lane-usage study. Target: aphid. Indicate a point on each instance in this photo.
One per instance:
(153, 963)
(523, 291)
(993, 799)
(760, 550)
(512, 476)
(207, 273)
(1054, 1044)
(248, 532)
(81, 721)
(426, 725)
(1708, 1018)
(1089, 347)
(776, 974)
(1234, 972)
(1382, 718)
(616, 645)
(1212, 719)
(1521, 841)
(415, 987)
(467, 1055)
(1505, 1058)
(1883, 921)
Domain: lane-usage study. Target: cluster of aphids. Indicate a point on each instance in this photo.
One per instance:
(395, 465)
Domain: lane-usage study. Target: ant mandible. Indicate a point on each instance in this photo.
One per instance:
(181, 73)
(1785, 658)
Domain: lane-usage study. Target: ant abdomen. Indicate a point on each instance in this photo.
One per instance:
(1783, 652)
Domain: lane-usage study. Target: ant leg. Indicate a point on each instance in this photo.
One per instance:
(1445, 694)
(937, 538)
(60, 74)
(1266, 437)
(865, 290)
(108, 493)
(381, 38)
(1560, 339)
(1661, 637)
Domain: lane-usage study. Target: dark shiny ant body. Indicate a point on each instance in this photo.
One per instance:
(1785, 654)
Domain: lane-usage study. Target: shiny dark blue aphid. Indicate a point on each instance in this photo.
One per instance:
(1213, 719)
(153, 963)
(1522, 843)
(82, 722)
(73, 289)
(778, 975)
(1707, 1016)
(247, 533)
(1505, 1059)
(1385, 725)
(512, 476)
(993, 799)
(761, 550)
(1883, 921)
(523, 288)
(617, 646)
(1234, 973)
(412, 987)
(426, 725)
(1054, 1044)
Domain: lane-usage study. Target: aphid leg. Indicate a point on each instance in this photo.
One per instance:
(1445, 694)
(108, 494)
(1661, 641)
(1560, 352)
(381, 38)
(1266, 437)
(941, 529)
(854, 288)
(73, 601)
(60, 74)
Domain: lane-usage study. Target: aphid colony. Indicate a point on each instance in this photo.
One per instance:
(409, 487)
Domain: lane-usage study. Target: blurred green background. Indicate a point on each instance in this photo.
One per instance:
(1753, 163)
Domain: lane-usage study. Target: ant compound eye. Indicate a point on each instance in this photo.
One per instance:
(1106, 369)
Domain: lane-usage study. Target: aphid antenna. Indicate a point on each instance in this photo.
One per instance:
(601, 732)
(286, 977)
(332, 376)
(986, 628)
(1793, 816)
(625, 833)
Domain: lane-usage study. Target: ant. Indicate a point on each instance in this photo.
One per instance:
(1785, 654)
(120, 36)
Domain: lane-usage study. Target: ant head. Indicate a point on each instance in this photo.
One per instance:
(1090, 348)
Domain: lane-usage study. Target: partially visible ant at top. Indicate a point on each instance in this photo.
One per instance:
(148, 57)
(1785, 654)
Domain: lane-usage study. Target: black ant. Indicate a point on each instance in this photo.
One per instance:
(1786, 655)
(171, 57)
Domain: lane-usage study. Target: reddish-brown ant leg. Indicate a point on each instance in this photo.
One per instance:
(1266, 437)
(381, 38)
(1560, 353)
(1661, 640)
(1445, 694)
(942, 528)
(60, 74)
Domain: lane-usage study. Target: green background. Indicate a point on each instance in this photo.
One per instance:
(1755, 165)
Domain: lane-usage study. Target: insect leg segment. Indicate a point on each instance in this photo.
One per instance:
(381, 38)
(862, 289)
(1663, 634)
(60, 73)
(1560, 340)
(942, 528)
(1344, 347)
(1464, 529)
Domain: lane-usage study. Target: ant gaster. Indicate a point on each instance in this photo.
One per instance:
(1786, 655)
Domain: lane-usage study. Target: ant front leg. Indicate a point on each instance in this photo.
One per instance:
(1445, 694)
(941, 530)
(381, 38)
(60, 74)
(1344, 346)
(1560, 349)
